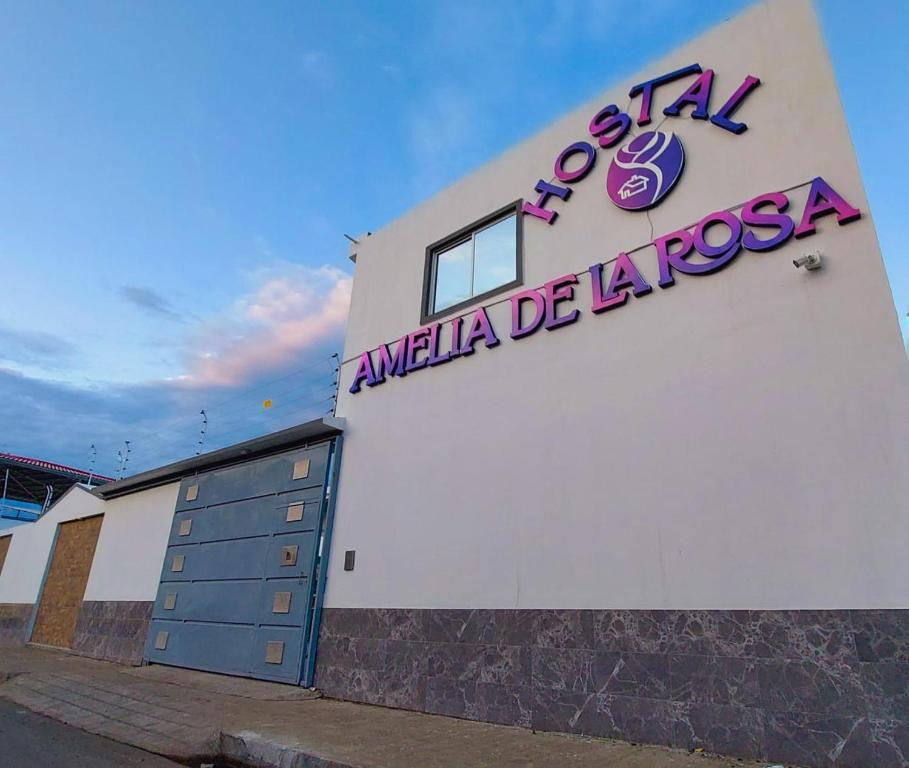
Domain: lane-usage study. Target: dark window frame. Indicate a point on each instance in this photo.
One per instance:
(456, 238)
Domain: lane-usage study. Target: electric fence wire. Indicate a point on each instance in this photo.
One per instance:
(160, 440)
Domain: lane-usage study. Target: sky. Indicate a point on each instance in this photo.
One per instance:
(176, 180)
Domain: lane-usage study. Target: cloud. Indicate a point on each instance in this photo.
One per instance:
(149, 301)
(273, 342)
(37, 348)
(59, 422)
(292, 310)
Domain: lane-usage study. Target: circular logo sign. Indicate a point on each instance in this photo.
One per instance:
(644, 170)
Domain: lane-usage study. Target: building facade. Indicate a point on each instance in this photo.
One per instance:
(614, 465)
(624, 419)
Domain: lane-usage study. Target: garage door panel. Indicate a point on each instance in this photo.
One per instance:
(291, 517)
(284, 602)
(274, 474)
(239, 519)
(176, 560)
(235, 559)
(290, 555)
(294, 511)
(159, 611)
(268, 643)
(202, 646)
(229, 602)
(287, 472)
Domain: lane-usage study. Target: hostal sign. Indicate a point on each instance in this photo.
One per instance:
(641, 173)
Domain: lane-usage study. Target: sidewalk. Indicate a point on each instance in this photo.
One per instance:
(195, 717)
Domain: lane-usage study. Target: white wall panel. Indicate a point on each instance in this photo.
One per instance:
(735, 441)
(131, 546)
(23, 571)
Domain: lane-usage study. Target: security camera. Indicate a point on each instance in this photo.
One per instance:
(808, 260)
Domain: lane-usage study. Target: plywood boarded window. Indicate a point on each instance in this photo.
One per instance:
(61, 599)
(4, 548)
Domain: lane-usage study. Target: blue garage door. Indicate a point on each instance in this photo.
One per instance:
(237, 589)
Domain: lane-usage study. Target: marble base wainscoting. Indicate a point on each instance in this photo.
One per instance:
(14, 618)
(113, 630)
(812, 688)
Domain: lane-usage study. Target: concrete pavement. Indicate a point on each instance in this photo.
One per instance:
(194, 717)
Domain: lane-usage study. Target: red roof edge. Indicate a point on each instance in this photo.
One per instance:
(54, 467)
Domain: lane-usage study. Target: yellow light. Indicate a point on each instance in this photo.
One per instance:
(266, 403)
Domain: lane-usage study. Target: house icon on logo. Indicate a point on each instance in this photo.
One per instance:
(635, 184)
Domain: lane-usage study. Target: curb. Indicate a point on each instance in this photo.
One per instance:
(250, 749)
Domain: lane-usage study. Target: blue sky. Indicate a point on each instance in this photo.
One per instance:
(177, 178)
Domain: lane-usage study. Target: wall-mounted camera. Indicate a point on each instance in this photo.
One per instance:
(808, 261)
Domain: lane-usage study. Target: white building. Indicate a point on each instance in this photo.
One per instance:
(624, 420)
(681, 519)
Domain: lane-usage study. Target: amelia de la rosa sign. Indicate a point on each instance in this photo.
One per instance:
(640, 175)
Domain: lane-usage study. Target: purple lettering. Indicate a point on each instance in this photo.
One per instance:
(416, 342)
(719, 255)
(480, 328)
(698, 94)
(572, 176)
(646, 89)
(669, 259)
(364, 372)
(624, 275)
(824, 199)
(456, 324)
(721, 118)
(558, 290)
(434, 357)
(546, 191)
(755, 218)
(609, 126)
(518, 330)
(391, 366)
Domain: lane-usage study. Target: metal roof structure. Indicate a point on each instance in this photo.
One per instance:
(23, 478)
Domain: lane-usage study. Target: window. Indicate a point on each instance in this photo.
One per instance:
(473, 263)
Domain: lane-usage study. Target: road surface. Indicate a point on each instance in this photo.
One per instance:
(28, 740)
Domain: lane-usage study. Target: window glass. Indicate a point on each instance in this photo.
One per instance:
(494, 255)
(483, 260)
(453, 275)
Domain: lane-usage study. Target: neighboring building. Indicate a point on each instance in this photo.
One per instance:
(187, 564)
(637, 471)
(30, 485)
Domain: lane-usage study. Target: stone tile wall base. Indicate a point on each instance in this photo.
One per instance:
(112, 630)
(14, 618)
(814, 688)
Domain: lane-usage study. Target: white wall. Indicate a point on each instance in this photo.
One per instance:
(128, 557)
(736, 441)
(26, 560)
(131, 545)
